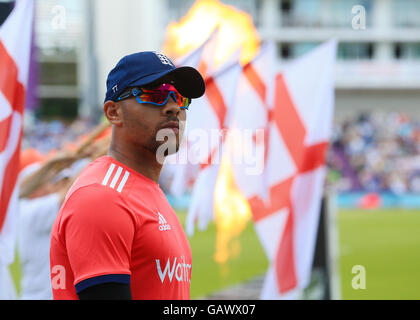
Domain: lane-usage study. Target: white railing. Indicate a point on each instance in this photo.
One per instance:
(375, 74)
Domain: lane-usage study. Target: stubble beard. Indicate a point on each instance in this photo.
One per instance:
(167, 143)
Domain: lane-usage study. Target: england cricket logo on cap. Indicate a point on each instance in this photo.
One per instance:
(163, 224)
(164, 59)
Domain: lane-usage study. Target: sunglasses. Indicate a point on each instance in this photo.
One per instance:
(157, 96)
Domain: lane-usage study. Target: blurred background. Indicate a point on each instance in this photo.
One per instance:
(374, 156)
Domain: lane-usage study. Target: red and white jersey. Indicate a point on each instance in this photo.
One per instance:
(117, 225)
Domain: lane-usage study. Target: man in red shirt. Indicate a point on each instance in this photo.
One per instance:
(116, 236)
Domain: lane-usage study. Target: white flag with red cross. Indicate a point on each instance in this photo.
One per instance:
(248, 133)
(288, 117)
(15, 48)
(299, 127)
(206, 131)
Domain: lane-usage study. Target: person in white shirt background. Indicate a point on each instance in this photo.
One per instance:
(37, 213)
(30, 161)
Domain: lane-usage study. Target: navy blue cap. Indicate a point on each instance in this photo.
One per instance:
(148, 67)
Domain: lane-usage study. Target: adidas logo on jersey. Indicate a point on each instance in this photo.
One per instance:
(163, 224)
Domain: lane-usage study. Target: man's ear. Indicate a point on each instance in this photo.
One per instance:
(113, 112)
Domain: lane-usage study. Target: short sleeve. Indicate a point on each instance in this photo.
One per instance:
(98, 229)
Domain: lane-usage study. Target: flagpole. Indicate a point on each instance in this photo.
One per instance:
(89, 107)
(333, 251)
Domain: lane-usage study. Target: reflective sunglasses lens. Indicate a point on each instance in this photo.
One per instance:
(182, 101)
(160, 94)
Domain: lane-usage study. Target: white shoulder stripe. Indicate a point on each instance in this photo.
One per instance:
(108, 174)
(123, 181)
(116, 177)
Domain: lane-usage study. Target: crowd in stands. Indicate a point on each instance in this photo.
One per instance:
(48, 136)
(376, 152)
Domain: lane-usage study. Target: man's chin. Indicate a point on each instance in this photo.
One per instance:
(173, 150)
(166, 149)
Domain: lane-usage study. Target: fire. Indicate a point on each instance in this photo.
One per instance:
(236, 31)
(232, 212)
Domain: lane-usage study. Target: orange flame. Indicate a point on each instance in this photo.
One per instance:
(232, 213)
(236, 32)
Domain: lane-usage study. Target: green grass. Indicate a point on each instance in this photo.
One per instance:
(16, 272)
(385, 242)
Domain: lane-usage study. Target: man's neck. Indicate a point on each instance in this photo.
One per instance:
(144, 162)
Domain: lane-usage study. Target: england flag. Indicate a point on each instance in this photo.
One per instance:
(15, 47)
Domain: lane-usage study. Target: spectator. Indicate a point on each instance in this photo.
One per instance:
(377, 152)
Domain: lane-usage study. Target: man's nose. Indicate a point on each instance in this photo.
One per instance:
(171, 107)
